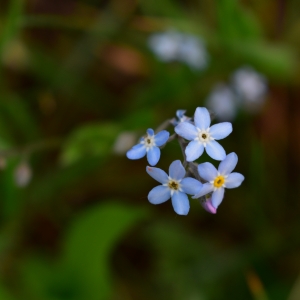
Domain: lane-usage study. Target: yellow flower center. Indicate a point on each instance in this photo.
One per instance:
(219, 181)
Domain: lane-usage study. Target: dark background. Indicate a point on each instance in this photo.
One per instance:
(75, 219)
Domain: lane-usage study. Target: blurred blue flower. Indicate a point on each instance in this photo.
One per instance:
(202, 136)
(193, 52)
(149, 145)
(174, 46)
(250, 88)
(174, 186)
(223, 102)
(219, 179)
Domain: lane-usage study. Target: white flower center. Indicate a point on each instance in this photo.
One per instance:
(174, 185)
(204, 136)
(149, 142)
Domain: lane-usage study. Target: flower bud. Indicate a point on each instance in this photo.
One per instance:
(207, 205)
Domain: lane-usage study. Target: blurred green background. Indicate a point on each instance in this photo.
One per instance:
(75, 220)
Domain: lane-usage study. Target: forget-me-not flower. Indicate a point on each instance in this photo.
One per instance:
(174, 186)
(219, 179)
(149, 145)
(181, 117)
(202, 136)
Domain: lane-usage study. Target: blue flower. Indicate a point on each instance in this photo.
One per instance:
(174, 186)
(202, 136)
(149, 145)
(181, 117)
(219, 179)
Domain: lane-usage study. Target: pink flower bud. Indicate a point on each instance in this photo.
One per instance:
(207, 205)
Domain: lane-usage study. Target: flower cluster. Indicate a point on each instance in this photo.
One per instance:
(246, 91)
(175, 46)
(202, 181)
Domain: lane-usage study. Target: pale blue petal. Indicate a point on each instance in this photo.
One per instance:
(153, 156)
(217, 197)
(157, 174)
(180, 203)
(191, 186)
(194, 150)
(228, 164)
(202, 118)
(234, 180)
(207, 171)
(207, 205)
(186, 130)
(206, 189)
(221, 130)
(159, 194)
(215, 150)
(161, 138)
(180, 113)
(150, 131)
(176, 170)
(136, 152)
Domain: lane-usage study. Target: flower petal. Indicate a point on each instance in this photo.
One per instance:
(157, 174)
(159, 194)
(234, 180)
(202, 118)
(153, 156)
(217, 197)
(215, 150)
(150, 131)
(228, 164)
(161, 138)
(207, 205)
(176, 170)
(206, 188)
(180, 113)
(191, 186)
(221, 130)
(207, 171)
(136, 152)
(186, 130)
(194, 150)
(180, 203)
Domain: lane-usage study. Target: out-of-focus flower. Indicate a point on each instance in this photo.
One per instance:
(149, 145)
(193, 52)
(202, 136)
(22, 174)
(124, 141)
(174, 186)
(222, 101)
(174, 46)
(219, 179)
(250, 87)
(165, 45)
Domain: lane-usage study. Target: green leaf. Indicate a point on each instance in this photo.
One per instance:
(89, 243)
(88, 141)
(277, 62)
(12, 23)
